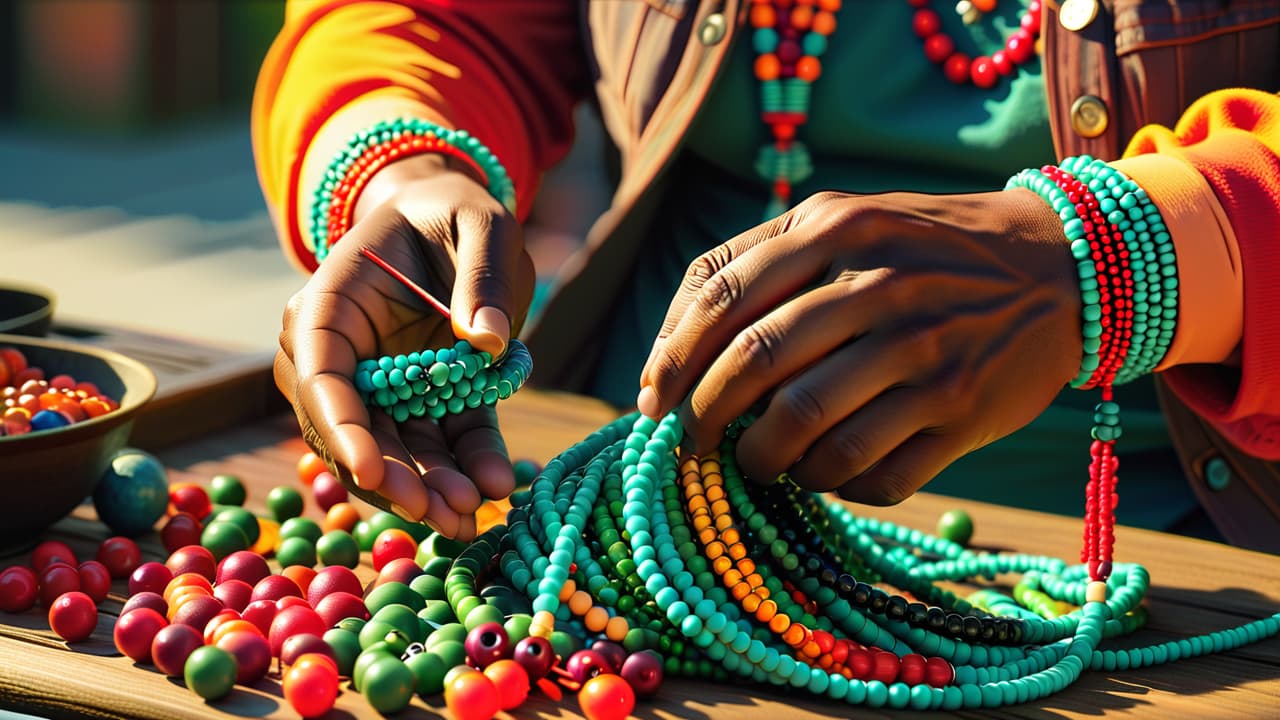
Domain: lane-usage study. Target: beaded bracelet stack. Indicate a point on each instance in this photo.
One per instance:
(370, 150)
(1128, 282)
(438, 382)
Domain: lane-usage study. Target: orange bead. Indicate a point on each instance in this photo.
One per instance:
(721, 565)
(808, 68)
(342, 516)
(763, 16)
(580, 602)
(309, 466)
(768, 67)
(701, 521)
(93, 407)
(738, 551)
(715, 549)
(746, 566)
(811, 649)
(723, 522)
(707, 535)
(720, 507)
(825, 662)
(766, 611)
(824, 23)
(754, 580)
(268, 537)
(751, 603)
(739, 590)
(596, 619)
(801, 17)
(731, 536)
(301, 575)
(226, 628)
(793, 635)
(617, 628)
(693, 489)
(834, 5)
(733, 577)
(985, 6)
(715, 492)
(568, 589)
(184, 580)
(780, 623)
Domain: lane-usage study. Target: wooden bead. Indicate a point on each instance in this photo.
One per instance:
(1096, 591)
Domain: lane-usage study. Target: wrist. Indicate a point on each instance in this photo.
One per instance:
(391, 179)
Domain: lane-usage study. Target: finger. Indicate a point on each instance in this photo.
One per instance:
(438, 470)
(770, 350)
(440, 516)
(342, 423)
(753, 283)
(905, 470)
(401, 484)
(810, 404)
(856, 444)
(480, 451)
(494, 273)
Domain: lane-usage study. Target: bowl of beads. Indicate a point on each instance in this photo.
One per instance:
(25, 310)
(67, 409)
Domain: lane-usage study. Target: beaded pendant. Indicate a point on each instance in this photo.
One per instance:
(789, 37)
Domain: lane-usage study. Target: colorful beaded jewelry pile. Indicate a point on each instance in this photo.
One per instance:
(370, 150)
(620, 538)
(439, 382)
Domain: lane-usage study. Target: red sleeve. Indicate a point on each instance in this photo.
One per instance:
(1232, 137)
(507, 71)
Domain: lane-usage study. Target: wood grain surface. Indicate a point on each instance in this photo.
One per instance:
(1197, 587)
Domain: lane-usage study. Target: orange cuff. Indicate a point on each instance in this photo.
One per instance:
(1210, 276)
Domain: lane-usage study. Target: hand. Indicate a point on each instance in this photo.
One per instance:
(442, 229)
(890, 334)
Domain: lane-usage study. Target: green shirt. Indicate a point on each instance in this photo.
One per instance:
(882, 117)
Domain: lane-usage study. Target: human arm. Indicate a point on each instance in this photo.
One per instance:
(507, 72)
(941, 324)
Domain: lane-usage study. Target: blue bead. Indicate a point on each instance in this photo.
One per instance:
(49, 420)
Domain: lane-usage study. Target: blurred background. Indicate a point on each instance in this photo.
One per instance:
(127, 184)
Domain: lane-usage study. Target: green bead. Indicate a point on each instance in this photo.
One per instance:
(296, 551)
(301, 527)
(955, 526)
(223, 538)
(338, 547)
(227, 490)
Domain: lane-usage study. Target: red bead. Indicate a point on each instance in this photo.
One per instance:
(956, 68)
(486, 644)
(1020, 47)
(789, 51)
(938, 48)
(938, 672)
(73, 616)
(134, 632)
(983, 72)
(861, 663)
(535, 655)
(912, 670)
(825, 640)
(886, 666)
(95, 580)
(643, 672)
(472, 696)
(925, 23)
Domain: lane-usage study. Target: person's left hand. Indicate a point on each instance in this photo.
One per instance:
(891, 334)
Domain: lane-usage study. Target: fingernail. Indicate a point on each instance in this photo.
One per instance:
(356, 479)
(647, 402)
(402, 513)
(491, 329)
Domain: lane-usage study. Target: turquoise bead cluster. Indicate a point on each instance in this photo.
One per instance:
(447, 381)
(500, 183)
(606, 513)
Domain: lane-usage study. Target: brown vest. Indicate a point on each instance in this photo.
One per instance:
(1136, 62)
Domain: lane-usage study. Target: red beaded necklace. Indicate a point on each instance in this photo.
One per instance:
(982, 71)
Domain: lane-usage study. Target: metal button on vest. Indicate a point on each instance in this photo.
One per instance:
(1217, 474)
(712, 29)
(1089, 116)
(1075, 15)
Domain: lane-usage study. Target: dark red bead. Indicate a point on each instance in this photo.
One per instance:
(612, 652)
(643, 672)
(534, 655)
(586, 664)
(938, 48)
(487, 643)
(886, 667)
(925, 23)
(912, 670)
(789, 52)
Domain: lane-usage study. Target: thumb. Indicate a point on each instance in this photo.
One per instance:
(488, 263)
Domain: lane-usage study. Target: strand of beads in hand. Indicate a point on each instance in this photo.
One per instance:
(447, 381)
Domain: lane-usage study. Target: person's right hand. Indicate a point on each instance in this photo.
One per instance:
(440, 227)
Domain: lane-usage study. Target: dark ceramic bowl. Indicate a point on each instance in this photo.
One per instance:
(25, 311)
(45, 474)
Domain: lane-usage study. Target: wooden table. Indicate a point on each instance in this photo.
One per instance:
(1197, 587)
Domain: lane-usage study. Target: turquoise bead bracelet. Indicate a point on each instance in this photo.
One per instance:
(447, 381)
(371, 149)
